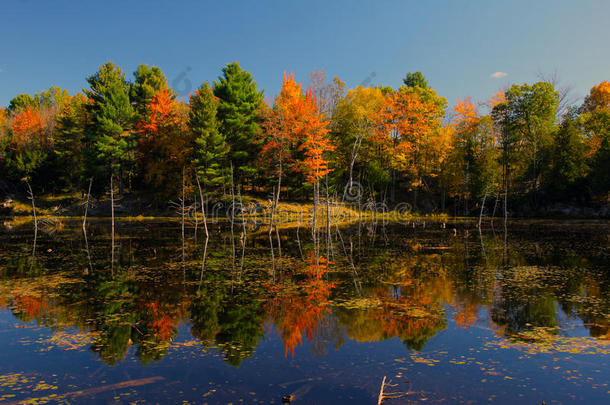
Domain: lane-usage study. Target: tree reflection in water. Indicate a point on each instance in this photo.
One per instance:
(410, 284)
(300, 305)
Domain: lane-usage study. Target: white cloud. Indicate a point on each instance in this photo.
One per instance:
(497, 75)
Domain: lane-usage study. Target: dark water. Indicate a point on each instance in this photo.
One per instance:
(451, 316)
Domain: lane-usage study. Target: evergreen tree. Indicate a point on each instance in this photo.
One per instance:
(239, 116)
(600, 175)
(109, 139)
(415, 79)
(147, 80)
(70, 141)
(210, 146)
(568, 157)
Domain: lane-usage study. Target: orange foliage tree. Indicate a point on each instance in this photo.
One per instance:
(28, 129)
(314, 141)
(28, 144)
(405, 126)
(595, 113)
(474, 168)
(494, 100)
(296, 120)
(164, 142)
(280, 128)
(598, 98)
(466, 114)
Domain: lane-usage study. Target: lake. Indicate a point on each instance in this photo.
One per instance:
(446, 313)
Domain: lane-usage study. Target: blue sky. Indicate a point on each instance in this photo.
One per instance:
(456, 44)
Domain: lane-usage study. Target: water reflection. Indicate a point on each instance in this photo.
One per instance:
(367, 287)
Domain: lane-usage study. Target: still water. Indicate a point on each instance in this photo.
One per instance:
(447, 313)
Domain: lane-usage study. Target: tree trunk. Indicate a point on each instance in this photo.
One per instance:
(183, 212)
(276, 196)
(121, 181)
(87, 204)
(205, 222)
(505, 197)
(33, 205)
(232, 220)
(483, 206)
(314, 231)
(112, 223)
(327, 219)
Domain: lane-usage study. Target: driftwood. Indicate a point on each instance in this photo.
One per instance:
(97, 390)
(384, 395)
(381, 395)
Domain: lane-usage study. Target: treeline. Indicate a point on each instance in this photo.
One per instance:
(525, 145)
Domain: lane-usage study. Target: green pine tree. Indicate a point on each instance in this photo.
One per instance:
(567, 157)
(70, 142)
(415, 79)
(147, 80)
(110, 141)
(210, 146)
(239, 116)
(600, 175)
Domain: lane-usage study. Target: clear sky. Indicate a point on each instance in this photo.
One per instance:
(458, 45)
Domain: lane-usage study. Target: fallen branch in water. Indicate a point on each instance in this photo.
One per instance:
(97, 390)
(391, 395)
(380, 397)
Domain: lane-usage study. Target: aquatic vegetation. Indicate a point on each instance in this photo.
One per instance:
(549, 340)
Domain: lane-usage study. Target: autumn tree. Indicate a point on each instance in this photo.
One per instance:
(408, 119)
(21, 102)
(281, 131)
(4, 140)
(595, 121)
(315, 144)
(28, 144)
(353, 127)
(297, 121)
(30, 134)
(164, 144)
(474, 157)
(53, 98)
(146, 82)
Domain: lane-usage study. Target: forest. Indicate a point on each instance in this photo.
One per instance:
(529, 147)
